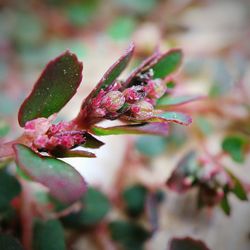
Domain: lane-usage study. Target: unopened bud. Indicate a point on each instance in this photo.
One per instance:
(156, 88)
(142, 110)
(113, 101)
(134, 94)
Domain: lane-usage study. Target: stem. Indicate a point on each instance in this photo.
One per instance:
(26, 215)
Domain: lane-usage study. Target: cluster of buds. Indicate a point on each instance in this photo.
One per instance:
(135, 102)
(42, 135)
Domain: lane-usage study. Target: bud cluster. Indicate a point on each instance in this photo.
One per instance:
(135, 102)
(44, 136)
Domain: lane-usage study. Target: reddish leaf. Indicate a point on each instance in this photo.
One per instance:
(146, 128)
(176, 117)
(186, 243)
(111, 75)
(63, 181)
(55, 87)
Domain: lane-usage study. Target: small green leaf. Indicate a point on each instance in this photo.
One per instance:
(176, 117)
(62, 153)
(225, 206)
(238, 188)
(151, 145)
(63, 181)
(129, 235)
(134, 198)
(167, 63)
(157, 128)
(167, 101)
(48, 235)
(187, 243)
(9, 188)
(92, 142)
(234, 146)
(8, 242)
(55, 87)
(95, 207)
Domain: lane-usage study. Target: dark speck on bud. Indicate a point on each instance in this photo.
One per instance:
(113, 101)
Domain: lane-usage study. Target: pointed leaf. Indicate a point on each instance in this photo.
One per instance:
(55, 87)
(113, 72)
(92, 142)
(168, 101)
(225, 206)
(187, 244)
(63, 181)
(167, 63)
(49, 235)
(176, 117)
(157, 128)
(8, 242)
(72, 153)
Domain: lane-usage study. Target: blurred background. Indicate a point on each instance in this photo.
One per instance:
(214, 35)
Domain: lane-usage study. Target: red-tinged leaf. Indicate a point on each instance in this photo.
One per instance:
(72, 153)
(180, 180)
(187, 243)
(55, 87)
(176, 117)
(167, 63)
(148, 128)
(111, 75)
(63, 181)
(141, 68)
(168, 101)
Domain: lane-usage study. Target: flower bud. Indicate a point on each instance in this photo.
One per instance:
(142, 110)
(156, 88)
(134, 94)
(113, 101)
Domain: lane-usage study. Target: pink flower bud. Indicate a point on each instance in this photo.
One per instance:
(113, 101)
(134, 94)
(156, 88)
(142, 110)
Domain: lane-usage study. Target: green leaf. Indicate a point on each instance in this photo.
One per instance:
(48, 235)
(186, 243)
(62, 153)
(113, 72)
(157, 128)
(225, 206)
(95, 207)
(204, 125)
(234, 146)
(9, 188)
(63, 181)
(175, 117)
(167, 101)
(151, 145)
(8, 242)
(92, 142)
(55, 87)
(238, 188)
(129, 235)
(167, 63)
(134, 198)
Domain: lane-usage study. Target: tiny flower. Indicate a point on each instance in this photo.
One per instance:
(156, 88)
(134, 94)
(142, 110)
(113, 101)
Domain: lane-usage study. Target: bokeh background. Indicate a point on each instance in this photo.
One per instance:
(214, 35)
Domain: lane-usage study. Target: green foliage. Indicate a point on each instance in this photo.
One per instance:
(4, 128)
(134, 198)
(9, 188)
(167, 63)
(63, 181)
(129, 235)
(95, 207)
(8, 242)
(48, 235)
(151, 145)
(186, 244)
(234, 145)
(225, 206)
(63, 73)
